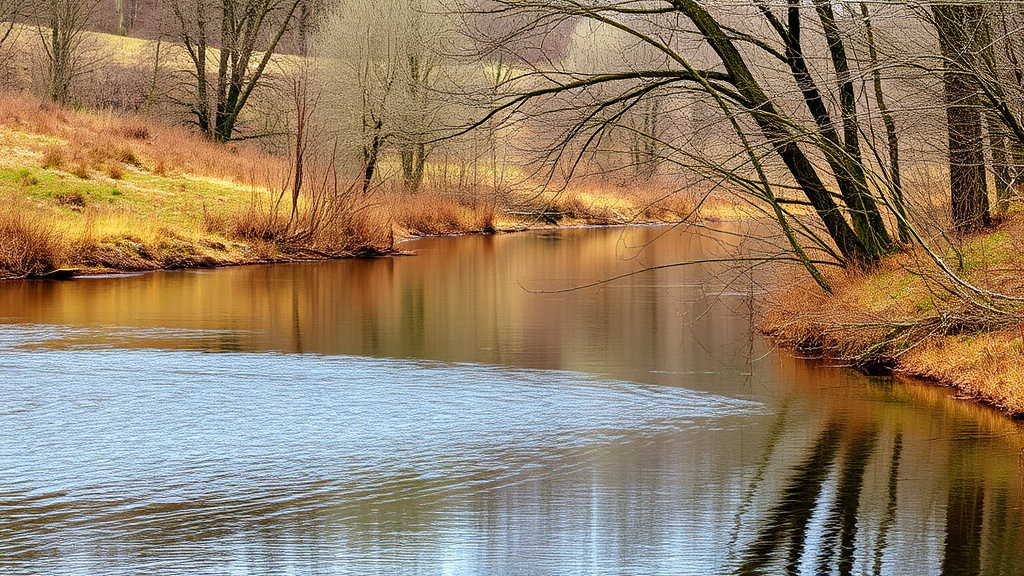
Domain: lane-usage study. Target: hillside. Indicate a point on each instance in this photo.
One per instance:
(100, 191)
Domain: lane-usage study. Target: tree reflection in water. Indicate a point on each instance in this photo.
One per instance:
(785, 528)
(827, 517)
(890, 506)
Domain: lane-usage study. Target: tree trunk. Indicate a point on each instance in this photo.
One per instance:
(1000, 163)
(419, 163)
(866, 218)
(414, 159)
(776, 132)
(968, 189)
(892, 137)
(405, 153)
(303, 28)
(370, 155)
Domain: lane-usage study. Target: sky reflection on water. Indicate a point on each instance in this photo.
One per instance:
(429, 415)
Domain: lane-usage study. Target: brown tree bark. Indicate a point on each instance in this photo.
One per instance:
(956, 25)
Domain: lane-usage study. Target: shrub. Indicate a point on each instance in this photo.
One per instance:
(26, 178)
(54, 157)
(74, 200)
(115, 169)
(135, 132)
(81, 170)
(127, 156)
(28, 244)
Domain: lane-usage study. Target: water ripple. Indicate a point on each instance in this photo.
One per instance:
(115, 451)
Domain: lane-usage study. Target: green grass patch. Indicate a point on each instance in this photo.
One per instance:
(172, 201)
(50, 185)
(926, 305)
(891, 284)
(989, 250)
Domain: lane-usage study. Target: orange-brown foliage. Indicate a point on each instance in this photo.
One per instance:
(28, 244)
(899, 317)
(429, 213)
(125, 139)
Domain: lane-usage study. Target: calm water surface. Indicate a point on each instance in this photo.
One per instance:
(449, 414)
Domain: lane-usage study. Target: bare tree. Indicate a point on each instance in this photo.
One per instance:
(304, 108)
(983, 75)
(239, 29)
(1006, 22)
(388, 90)
(310, 15)
(61, 27)
(794, 126)
(990, 63)
(412, 148)
(10, 12)
(892, 136)
(740, 72)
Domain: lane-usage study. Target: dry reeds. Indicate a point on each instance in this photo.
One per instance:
(988, 366)
(115, 169)
(29, 244)
(53, 157)
(429, 213)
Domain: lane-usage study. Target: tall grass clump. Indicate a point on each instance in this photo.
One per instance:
(431, 213)
(29, 244)
(326, 217)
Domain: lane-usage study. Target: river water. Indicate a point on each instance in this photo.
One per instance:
(456, 413)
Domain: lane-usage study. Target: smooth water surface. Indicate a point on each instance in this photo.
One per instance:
(457, 412)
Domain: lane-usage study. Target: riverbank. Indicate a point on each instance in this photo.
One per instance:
(102, 192)
(906, 317)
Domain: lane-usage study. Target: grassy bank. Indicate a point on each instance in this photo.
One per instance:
(909, 318)
(107, 192)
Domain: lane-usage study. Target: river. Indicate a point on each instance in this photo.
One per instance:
(460, 412)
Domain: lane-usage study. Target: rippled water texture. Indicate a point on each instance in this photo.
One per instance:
(449, 414)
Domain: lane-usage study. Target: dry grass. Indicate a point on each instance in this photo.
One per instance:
(593, 203)
(28, 244)
(900, 317)
(103, 191)
(75, 137)
(364, 230)
(429, 213)
(433, 212)
(36, 240)
(115, 169)
(53, 157)
(118, 192)
(987, 366)
(598, 202)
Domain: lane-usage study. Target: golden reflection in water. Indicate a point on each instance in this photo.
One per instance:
(463, 299)
(842, 473)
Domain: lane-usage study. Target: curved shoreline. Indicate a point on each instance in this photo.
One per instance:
(974, 371)
(77, 270)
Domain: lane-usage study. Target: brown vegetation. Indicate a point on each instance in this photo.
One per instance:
(104, 136)
(434, 214)
(905, 317)
(28, 244)
(105, 191)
